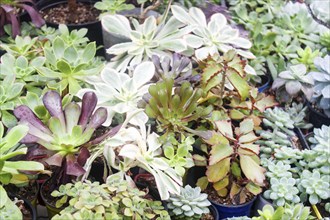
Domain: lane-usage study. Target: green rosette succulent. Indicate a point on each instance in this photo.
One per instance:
(191, 203)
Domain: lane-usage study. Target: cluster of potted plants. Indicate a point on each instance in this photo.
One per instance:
(219, 111)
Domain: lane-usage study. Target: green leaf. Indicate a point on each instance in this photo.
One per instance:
(64, 67)
(236, 170)
(221, 184)
(220, 151)
(239, 83)
(253, 188)
(89, 52)
(58, 48)
(246, 126)
(71, 54)
(5, 178)
(202, 182)
(127, 202)
(13, 137)
(236, 114)
(25, 165)
(218, 171)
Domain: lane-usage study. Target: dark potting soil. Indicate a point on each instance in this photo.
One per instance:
(207, 216)
(60, 14)
(213, 196)
(28, 192)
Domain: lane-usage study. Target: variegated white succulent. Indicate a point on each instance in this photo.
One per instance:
(119, 92)
(140, 148)
(208, 38)
(144, 40)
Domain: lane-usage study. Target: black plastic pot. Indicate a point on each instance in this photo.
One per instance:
(27, 205)
(214, 212)
(228, 211)
(302, 138)
(259, 204)
(51, 210)
(94, 28)
(317, 118)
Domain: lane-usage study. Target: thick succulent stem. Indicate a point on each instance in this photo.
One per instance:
(222, 84)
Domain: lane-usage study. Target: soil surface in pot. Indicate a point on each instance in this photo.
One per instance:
(213, 195)
(28, 192)
(208, 216)
(60, 14)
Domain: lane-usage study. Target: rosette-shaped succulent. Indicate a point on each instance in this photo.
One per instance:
(314, 185)
(292, 81)
(278, 119)
(322, 83)
(191, 203)
(282, 190)
(278, 170)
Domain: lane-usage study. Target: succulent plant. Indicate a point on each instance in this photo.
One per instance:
(288, 155)
(297, 211)
(120, 93)
(239, 218)
(278, 170)
(67, 65)
(115, 199)
(139, 148)
(306, 57)
(314, 186)
(68, 129)
(297, 113)
(320, 140)
(112, 7)
(175, 111)
(24, 70)
(327, 207)
(145, 39)
(278, 118)
(321, 84)
(26, 46)
(292, 81)
(191, 203)
(208, 38)
(8, 208)
(178, 68)
(11, 171)
(177, 152)
(9, 98)
(232, 169)
(325, 40)
(282, 190)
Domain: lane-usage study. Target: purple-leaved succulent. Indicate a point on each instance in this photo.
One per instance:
(69, 131)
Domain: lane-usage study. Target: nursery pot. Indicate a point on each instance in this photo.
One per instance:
(259, 204)
(214, 212)
(317, 118)
(94, 28)
(266, 82)
(28, 206)
(51, 209)
(302, 138)
(30, 193)
(228, 211)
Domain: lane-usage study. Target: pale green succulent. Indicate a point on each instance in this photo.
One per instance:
(191, 203)
(278, 118)
(8, 208)
(297, 211)
(314, 186)
(67, 65)
(278, 170)
(291, 82)
(282, 190)
(321, 87)
(9, 98)
(327, 207)
(239, 218)
(112, 6)
(306, 57)
(115, 199)
(178, 152)
(288, 155)
(297, 113)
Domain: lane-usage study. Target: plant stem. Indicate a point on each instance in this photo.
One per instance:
(222, 84)
(151, 7)
(315, 18)
(317, 213)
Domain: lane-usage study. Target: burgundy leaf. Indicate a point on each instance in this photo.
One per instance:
(55, 160)
(25, 114)
(98, 118)
(89, 102)
(72, 167)
(15, 26)
(83, 156)
(53, 103)
(29, 139)
(112, 132)
(36, 18)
